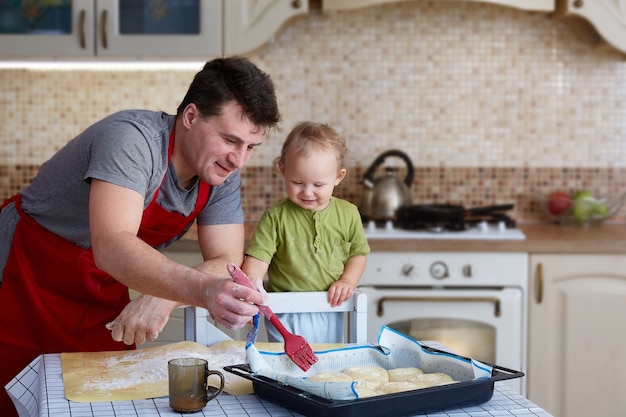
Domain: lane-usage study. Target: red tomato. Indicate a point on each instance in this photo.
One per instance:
(559, 202)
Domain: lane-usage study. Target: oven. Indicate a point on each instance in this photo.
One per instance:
(472, 302)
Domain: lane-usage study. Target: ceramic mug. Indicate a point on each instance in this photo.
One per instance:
(189, 390)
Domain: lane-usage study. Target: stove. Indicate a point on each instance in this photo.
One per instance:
(482, 230)
(473, 301)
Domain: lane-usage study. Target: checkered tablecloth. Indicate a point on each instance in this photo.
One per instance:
(38, 392)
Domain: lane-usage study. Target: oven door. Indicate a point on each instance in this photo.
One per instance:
(485, 324)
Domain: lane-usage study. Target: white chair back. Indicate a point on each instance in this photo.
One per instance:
(199, 326)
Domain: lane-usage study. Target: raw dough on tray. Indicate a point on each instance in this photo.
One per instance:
(367, 388)
(434, 378)
(398, 386)
(403, 374)
(331, 377)
(375, 380)
(368, 373)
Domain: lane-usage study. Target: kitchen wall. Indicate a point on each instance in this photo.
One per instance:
(492, 104)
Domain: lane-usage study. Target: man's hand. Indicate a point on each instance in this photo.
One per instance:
(141, 320)
(230, 304)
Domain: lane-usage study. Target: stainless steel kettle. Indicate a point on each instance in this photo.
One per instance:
(382, 196)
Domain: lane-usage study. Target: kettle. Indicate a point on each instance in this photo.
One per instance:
(384, 195)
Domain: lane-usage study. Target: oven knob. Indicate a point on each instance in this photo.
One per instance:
(408, 270)
(439, 270)
(467, 271)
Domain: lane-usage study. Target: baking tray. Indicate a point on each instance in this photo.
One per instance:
(425, 400)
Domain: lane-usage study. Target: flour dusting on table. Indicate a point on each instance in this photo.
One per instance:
(142, 373)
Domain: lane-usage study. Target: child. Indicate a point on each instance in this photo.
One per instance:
(310, 241)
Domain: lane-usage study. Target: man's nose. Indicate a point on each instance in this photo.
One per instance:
(239, 157)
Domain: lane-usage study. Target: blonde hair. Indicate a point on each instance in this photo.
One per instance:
(312, 135)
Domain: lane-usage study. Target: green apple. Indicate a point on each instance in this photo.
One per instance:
(600, 209)
(583, 206)
(583, 195)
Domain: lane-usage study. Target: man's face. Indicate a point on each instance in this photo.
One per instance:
(215, 147)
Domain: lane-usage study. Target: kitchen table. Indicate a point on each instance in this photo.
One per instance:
(38, 392)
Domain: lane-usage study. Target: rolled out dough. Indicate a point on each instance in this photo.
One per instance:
(142, 373)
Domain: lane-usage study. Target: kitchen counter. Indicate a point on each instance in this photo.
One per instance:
(540, 238)
(40, 392)
(608, 238)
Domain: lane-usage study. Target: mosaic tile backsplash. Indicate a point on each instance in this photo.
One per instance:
(493, 105)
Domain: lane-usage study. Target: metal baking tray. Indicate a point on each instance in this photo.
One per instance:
(425, 400)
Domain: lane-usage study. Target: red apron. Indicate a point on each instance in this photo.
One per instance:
(54, 299)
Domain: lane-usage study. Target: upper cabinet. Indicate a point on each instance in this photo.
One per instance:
(540, 5)
(178, 29)
(140, 28)
(38, 28)
(249, 24)
(111, 28)
(596, 21)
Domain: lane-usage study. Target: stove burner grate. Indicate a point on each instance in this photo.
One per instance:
(456, 225)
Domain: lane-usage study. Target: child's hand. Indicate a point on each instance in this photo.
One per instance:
(338, 292)
(258, 284)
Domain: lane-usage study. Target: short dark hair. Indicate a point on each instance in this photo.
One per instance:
(223, 80)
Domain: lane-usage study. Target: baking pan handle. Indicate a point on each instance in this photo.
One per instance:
(242, 370)
(505, 373)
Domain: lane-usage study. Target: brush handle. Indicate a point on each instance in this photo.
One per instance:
(242, 279)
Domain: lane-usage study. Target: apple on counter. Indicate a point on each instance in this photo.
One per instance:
(559, 203)
(580, 207)
(586, 206)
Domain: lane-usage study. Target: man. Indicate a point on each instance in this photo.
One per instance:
(90, 224)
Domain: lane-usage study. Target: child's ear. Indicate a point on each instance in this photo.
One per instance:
(340, 176)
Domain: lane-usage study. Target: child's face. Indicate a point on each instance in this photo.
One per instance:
(311, 178)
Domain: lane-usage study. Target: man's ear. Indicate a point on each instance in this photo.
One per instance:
(190, 114)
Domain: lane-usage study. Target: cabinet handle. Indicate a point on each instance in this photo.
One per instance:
(296, 4)
(81, 27)
(103, 29)
(539, 290)
(579, 3)
(494, 300)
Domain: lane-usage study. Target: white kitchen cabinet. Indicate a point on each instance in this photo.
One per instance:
(141, 29)
(595, 21)
(111, 28)
(204, 39)
(577, 335)
(537, 5)
(249, 24)
(70, 31)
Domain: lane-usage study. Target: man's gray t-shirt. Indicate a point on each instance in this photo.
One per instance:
(129, 149)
